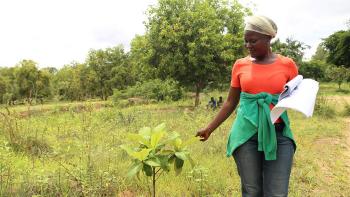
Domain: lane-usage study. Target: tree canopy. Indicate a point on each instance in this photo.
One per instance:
(291, 48)
(338, 47)
(195, 41)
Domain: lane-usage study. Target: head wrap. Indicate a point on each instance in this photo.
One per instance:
(261, 24)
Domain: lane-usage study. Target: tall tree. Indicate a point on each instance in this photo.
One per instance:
(27, 76)
(104, 63)
(338, 46)
(291, 48)
(321, 54)
(74, 82)
(9, 91)
(313, 69)
(65, 83)
(338, 74)
(139, 58)
(195, 41)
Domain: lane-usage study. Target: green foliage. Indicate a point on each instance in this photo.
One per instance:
(313, 69)
(291, 48)
(338, 74)
(32, 82)
(155, 150)
(139, 58)
(24, 82)
(338, 47)
(111, 70)
(168, 90)
(321, 54)
(86, 159)
(75, 82)
(323, 107)
(195, 42)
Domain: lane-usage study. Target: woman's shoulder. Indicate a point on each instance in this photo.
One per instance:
(244, 60)
(286, 60)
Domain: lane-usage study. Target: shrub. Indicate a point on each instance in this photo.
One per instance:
(323, 108)
(154, 151)
(153, 89)
(313, 69)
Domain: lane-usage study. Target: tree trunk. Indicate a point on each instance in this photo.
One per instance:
(198, 90)
(154, 181)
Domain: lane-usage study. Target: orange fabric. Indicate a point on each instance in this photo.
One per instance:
(256, 78)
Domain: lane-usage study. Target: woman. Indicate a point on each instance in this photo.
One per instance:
(263, 151)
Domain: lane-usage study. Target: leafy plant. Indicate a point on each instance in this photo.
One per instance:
(155, 150)
(160, 90)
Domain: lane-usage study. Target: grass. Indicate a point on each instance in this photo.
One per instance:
(76, 152)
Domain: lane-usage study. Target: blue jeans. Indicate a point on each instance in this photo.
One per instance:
(261, 178)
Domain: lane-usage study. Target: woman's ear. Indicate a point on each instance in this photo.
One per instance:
(268, 38)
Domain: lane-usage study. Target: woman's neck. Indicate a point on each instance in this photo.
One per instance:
(268, 58)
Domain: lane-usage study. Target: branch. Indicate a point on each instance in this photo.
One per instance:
(159, 174)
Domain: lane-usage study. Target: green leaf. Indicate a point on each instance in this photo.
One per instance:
(155, 162)
(148, 170)
(156, 137)
(178, 143)
(127, 149)
(164, 161)
(159, 128)
(145, 132)
(138, 139)
(181, 155)
(167, 152)
(171, 138)
(141, 155)
(178, 164)
(135, 169)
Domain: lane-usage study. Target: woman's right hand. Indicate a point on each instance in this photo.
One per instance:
(204, 134)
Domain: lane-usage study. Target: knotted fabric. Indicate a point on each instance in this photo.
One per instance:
(253, 116)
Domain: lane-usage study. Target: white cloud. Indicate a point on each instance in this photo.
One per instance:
(305, 20)
(57, 32)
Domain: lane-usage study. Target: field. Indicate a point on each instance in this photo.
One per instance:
(72, 149)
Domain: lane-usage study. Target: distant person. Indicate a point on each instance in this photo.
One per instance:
(263, 151)
(220, 101)
(212, 103)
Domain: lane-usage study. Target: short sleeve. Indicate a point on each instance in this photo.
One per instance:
(235, 76)
(293, 71)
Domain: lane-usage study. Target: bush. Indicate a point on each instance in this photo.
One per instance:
(346, 111)
(323, 108)
(153, 89)
(313, 69)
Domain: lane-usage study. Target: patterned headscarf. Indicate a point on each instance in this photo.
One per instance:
(261, 24)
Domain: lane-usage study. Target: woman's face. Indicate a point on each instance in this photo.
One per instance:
(257, 44)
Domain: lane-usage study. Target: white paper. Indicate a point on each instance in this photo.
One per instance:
(301, 98)
(290, 87)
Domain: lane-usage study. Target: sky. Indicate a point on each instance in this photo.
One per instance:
(58, 32)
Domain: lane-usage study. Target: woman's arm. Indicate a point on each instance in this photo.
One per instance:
(227, 108)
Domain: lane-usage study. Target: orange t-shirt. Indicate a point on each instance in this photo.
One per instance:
(256, 78)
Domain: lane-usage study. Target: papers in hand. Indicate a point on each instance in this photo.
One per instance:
(299, 94)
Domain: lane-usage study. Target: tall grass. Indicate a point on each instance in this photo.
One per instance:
(77, 152)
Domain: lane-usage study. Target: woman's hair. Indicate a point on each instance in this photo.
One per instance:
(261, 24)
